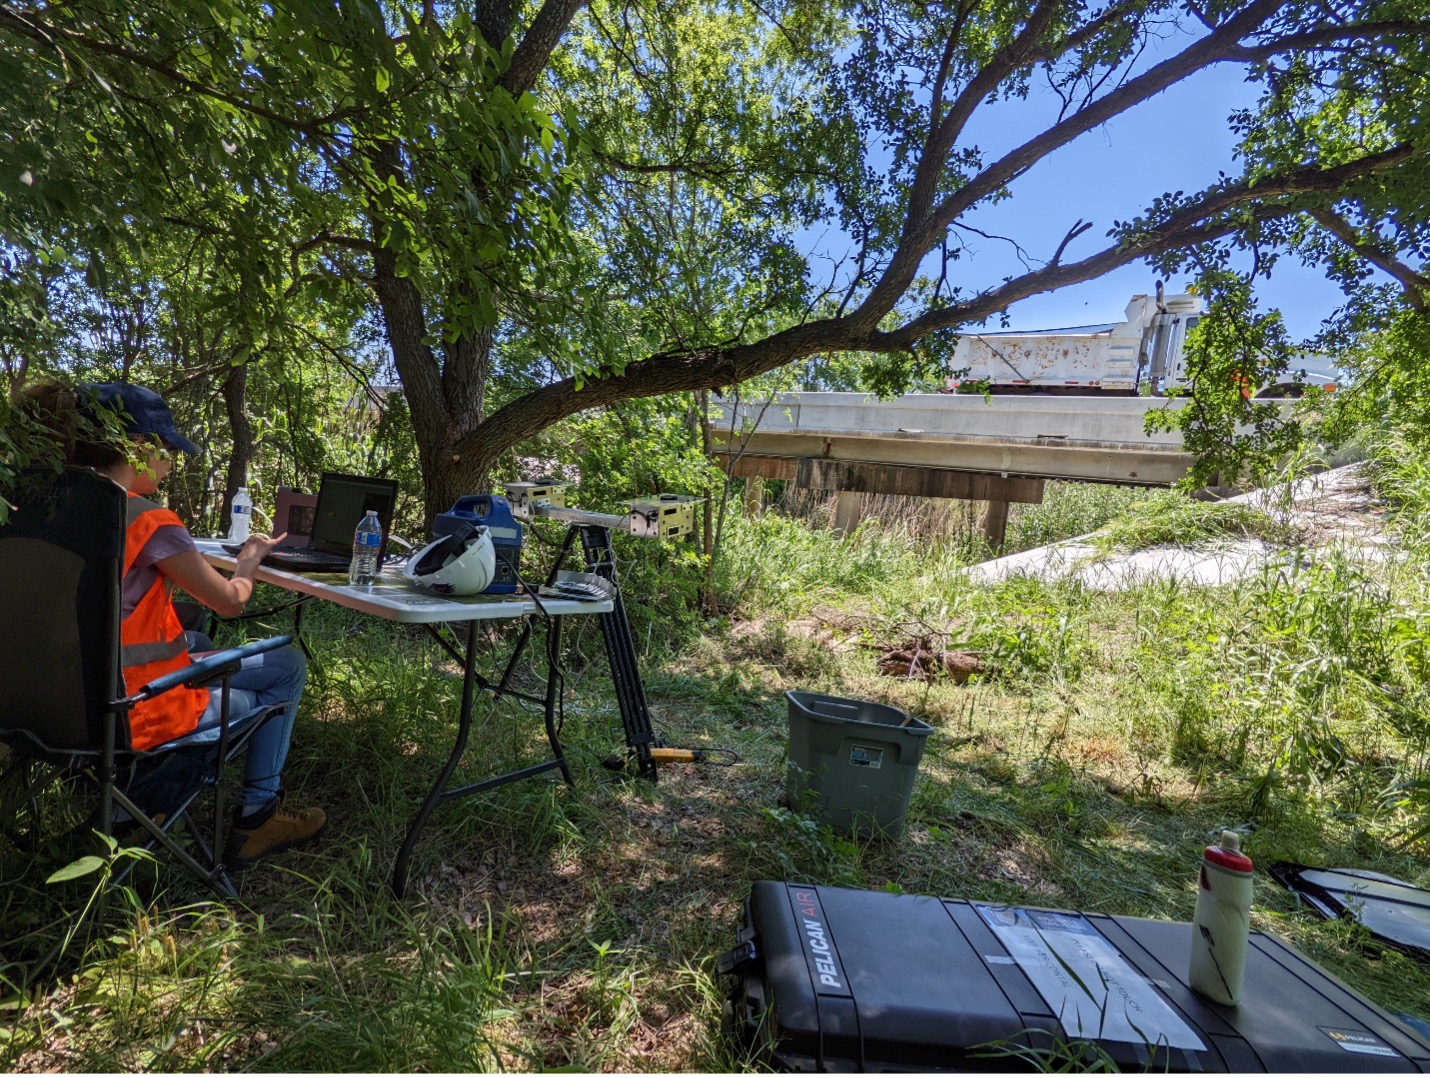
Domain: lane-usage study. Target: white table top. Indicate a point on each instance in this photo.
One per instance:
(396, 600)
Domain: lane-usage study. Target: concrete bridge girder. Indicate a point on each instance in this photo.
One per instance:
(935, 445)
(1049, 458)
(1101, 439)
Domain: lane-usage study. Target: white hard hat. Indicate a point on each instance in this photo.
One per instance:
(454, 564)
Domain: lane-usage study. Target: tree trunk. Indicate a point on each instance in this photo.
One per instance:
(450, 480)
(235, 402)
(702, 404)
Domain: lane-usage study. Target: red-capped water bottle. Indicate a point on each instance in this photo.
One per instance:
(1221, 926)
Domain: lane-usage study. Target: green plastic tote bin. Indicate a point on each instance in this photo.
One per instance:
(853, 761)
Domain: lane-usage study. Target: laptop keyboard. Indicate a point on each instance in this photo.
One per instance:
(296, 555)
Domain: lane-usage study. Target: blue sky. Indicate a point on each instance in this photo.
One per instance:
(1176, 141)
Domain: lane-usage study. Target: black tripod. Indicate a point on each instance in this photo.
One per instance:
(620, 648)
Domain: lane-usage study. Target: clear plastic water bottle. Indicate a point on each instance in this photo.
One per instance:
(240, 515)
(367, 540)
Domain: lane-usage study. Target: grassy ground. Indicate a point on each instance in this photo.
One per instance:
(554, 927)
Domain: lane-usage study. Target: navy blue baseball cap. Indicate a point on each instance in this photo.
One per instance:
(142, 411)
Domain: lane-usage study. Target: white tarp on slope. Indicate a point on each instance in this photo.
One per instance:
(1324, 503)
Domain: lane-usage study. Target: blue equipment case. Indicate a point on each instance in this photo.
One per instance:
(505, 530)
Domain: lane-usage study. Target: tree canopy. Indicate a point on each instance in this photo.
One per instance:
(545, 208)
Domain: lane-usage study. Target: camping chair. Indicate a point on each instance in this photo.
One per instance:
(61, 712)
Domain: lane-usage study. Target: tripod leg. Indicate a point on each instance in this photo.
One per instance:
(621, 651)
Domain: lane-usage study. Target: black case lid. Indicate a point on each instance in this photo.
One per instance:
(872, 980)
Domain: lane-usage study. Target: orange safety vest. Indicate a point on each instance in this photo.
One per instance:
(151, 641)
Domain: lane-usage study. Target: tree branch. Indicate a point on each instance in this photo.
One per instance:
(541, 37)
(1311, 39)
(1079, 227)
(50, 36)
(1416, 285)
(713, 367)
(1055, 276)
(944, 132)
(920, 236)
(1192, 225)
(1085, 33)
(945, 65)
(333, 239)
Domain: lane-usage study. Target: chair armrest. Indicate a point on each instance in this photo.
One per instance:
(210, 668)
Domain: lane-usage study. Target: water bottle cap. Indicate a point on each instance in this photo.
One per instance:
(1228, 855)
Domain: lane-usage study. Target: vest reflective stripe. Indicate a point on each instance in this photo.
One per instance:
(152, 642)
(143, 654)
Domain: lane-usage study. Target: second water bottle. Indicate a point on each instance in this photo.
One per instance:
(367, 541)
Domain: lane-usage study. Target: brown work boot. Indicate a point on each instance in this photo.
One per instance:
(282, 829)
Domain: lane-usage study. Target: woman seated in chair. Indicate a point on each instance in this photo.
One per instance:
(159, 555)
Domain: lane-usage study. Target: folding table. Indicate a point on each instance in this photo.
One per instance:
(392, 599)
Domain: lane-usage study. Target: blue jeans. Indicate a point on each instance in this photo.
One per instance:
(271, 678)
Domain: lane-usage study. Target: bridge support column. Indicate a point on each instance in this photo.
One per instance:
(993, 523)
(754, 495)
(846, 511)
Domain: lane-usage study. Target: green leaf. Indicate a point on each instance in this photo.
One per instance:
(75, 869)
(382, 79)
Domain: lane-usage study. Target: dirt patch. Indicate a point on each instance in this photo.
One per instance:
(824, 625)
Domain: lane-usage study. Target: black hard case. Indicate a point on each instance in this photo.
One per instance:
(924, 985)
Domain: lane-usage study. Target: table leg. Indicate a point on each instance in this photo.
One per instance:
(435, 798)
(554, 688)
(298, 630)
(440, 794)
(503, 687)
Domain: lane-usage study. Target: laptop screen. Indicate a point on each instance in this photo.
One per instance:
(342, 502)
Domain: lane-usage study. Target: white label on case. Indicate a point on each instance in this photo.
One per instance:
(1093, 990)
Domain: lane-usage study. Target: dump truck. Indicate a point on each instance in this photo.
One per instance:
(1141, 355)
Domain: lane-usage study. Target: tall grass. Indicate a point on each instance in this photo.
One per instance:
(1172, 518)
(1067, 510)
(777, 563)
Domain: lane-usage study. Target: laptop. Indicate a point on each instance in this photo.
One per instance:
(343, 500)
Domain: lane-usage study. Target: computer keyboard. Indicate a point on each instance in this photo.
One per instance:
(292, 557)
